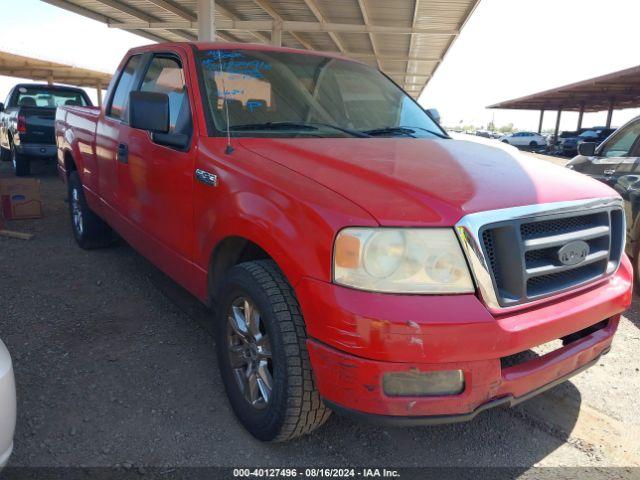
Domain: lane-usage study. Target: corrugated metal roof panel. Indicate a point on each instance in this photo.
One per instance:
(395, 49)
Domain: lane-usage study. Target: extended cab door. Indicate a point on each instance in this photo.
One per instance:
(155, 183)
(110, 131)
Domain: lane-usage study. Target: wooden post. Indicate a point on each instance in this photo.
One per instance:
(99, 90)
(555, 132)
(580, 115)
(540, 123)
(610, 114)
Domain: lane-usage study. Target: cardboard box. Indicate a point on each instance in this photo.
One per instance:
(20, 198)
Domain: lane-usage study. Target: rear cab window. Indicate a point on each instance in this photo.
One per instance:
(44, 97)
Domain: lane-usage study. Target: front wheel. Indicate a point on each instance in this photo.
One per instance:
(533, 143)
(21, 163)
(506, 141)
(89, 230)
(262, 354)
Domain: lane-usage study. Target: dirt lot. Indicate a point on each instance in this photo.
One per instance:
(115, 365)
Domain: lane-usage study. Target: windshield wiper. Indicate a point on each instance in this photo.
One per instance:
(409, 131)
(390, 131)
(296, 126)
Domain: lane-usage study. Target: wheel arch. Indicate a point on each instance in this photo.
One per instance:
(230, 251)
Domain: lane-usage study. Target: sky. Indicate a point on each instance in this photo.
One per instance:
(508, 49)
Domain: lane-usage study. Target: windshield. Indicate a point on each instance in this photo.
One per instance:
(48, 97)
(288, 94)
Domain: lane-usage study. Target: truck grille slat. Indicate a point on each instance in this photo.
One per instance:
(564, 238)
(524, 255)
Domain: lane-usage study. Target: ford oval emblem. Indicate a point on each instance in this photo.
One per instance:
(573, 253)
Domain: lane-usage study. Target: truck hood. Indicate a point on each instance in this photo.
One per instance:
(420, 182)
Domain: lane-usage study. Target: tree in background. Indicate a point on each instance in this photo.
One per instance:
(508, 128)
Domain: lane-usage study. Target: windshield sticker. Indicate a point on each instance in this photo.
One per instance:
(233, 63)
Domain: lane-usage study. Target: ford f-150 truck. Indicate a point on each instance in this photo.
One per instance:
(355, 257)
(27, 119)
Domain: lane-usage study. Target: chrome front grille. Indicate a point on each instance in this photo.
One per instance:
(517, 254)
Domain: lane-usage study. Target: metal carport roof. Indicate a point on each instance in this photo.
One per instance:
(615, 90)
(12, 65)
(620, 89)
(407, 39)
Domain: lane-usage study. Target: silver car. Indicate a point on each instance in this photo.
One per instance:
(7, 405)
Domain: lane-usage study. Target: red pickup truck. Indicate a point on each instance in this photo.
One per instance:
(355, 257)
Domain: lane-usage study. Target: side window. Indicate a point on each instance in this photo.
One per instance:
(119, 104)
(165, 75)
(620, 145)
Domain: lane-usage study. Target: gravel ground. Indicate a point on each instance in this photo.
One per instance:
(115, 365)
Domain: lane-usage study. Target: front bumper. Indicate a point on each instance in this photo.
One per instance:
(356, 337)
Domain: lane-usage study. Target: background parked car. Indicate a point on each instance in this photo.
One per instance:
(596, 135)
(26, 122)
(616, 163)
(525, 139)
(7, 405)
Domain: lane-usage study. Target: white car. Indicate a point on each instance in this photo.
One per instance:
(525, 139)
(7, 405)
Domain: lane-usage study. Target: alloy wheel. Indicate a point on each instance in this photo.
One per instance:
(249, 352)
(76, 212)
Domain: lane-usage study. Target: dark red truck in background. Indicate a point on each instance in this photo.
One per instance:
(356, 258)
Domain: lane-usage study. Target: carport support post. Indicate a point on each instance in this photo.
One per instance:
(276, 34)
(540, 122)
(610, 114)
(50, 79)
(580, 115)
(206, 20)
(99, 90)
(555, 132)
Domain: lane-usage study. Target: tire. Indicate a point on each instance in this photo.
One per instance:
(506, 141)
(89, 230)
(533, 143)
(293, 406)
(21, 163)
(5, 155)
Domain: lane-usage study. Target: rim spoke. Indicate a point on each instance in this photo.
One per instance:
(252, 382)
(265, 381)
(253, 319)
(238, 322)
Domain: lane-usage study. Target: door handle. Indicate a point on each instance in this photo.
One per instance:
(123, 153)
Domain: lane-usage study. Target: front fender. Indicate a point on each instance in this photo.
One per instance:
(292, 218)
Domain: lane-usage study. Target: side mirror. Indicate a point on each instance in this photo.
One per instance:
(434, 114)
(587, 149)
(149, 111)
(1, 107)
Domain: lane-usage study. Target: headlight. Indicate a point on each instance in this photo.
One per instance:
(401, 260)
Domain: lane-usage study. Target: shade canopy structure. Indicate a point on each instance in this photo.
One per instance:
(615, 90)
(406, 39)
(13, 65)
(594, 95)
